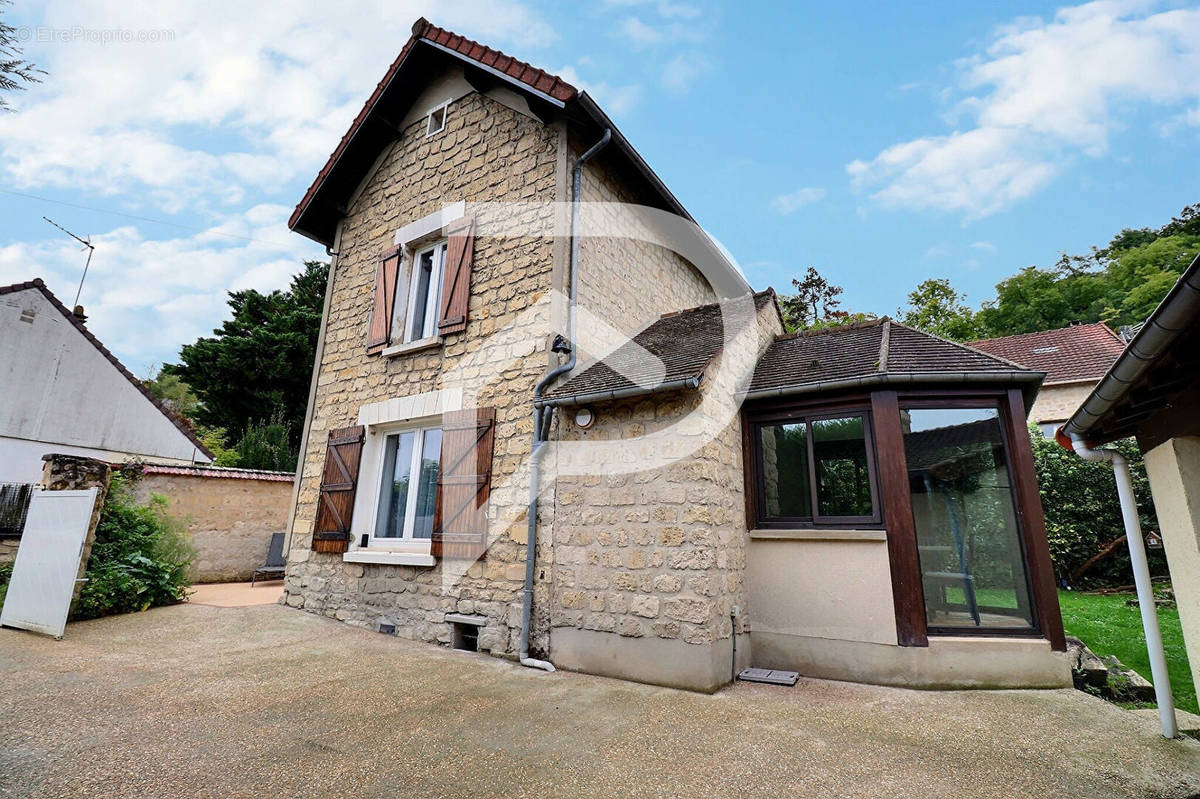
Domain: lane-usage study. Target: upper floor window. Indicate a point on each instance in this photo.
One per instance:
(417, 313)
(814, 470)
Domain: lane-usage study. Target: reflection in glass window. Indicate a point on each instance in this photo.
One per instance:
(972, 561)
(406, 503)
(785, 470)
(815, 471)
(843, 480)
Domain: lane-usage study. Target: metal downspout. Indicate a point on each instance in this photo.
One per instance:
(541, 416)
(1141, 577)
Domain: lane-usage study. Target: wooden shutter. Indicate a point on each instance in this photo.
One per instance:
(456, 279)
(335, 504)
(379, 332)
(460, 524)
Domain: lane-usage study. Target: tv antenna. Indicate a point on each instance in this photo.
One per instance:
(87, 243)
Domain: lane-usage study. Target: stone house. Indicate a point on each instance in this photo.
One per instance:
(1074, 359)
(551, 421)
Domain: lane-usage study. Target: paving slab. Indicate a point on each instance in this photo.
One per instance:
(202, 701)
(237, 595)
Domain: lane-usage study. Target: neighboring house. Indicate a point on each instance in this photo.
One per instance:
(1152, 392)
(709, 493)
(1074, 359)
(62, 391)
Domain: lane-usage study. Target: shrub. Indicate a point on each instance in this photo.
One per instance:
(1083, 514)
(140, 559)
(265, 446)
(5, 576)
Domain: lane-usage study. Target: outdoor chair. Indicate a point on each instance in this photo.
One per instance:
(275, 561)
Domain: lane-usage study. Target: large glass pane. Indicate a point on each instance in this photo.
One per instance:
(784, 470)
(422, 279)
(393, 495)
(843, 478)
(972, 561)
(427, 484)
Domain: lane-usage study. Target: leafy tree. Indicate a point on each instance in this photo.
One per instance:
(815, 301)
(173, 392)
(259, 363)
(1120, 284)
(217, 442)
(265, 446)
(935, 307)
(14, 69)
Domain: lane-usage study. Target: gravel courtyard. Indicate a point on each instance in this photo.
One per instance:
(266, 701)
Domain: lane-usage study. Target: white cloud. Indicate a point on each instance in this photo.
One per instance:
(681, 71)
(664, 8)
(794, 201)
(639, 33)
(616, 100)
(1038, 93)
(273, 91)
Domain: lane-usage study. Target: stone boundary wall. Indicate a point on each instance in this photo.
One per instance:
(230, 516)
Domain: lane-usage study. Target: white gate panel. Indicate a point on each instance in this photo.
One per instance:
(43, 576)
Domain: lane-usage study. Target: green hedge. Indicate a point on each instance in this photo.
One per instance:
(1083, 514)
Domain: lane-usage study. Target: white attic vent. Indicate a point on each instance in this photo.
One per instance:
(1044, 350)
(436, 121)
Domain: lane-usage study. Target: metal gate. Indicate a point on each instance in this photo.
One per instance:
(47, 564)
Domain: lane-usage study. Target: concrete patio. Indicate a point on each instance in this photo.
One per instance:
(198, 700)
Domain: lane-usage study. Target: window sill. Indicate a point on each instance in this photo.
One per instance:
(820, 535)
(412, 346)
(390, 558)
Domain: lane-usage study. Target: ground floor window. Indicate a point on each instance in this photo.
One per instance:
(971, 556)
(409, 487)
(815, 470)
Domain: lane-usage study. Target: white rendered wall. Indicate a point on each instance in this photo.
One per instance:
(59, 393)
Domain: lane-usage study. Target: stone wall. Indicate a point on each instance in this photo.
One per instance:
(229, 519)
(488, 153)
(1057, 402)
(627, 283)
(657, 549)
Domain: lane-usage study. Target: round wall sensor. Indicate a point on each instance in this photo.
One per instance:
(584, 418)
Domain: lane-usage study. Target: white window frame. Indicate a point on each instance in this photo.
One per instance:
(433, 298)
(405, 540)
(444, 110)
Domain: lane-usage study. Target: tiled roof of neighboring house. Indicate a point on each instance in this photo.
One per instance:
(423, 30)
(224, 472)
(676, 347)
(1078, 352)
(175, 419)
(879, 351)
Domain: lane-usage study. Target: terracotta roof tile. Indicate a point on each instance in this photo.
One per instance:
(221, 472)
(175, 419)
(481, 53)
(1078, 352)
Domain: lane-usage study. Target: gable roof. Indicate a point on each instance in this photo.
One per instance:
(670, 353)
(1078, 352)
(373, 129)
(174, 418)
(877, 352)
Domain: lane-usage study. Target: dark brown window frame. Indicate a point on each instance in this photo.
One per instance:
(807, 412)
(996, 402)
(891, 483)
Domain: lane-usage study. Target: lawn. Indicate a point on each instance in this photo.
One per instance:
(1110, 627)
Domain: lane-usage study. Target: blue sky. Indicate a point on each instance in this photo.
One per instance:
(882, 143)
